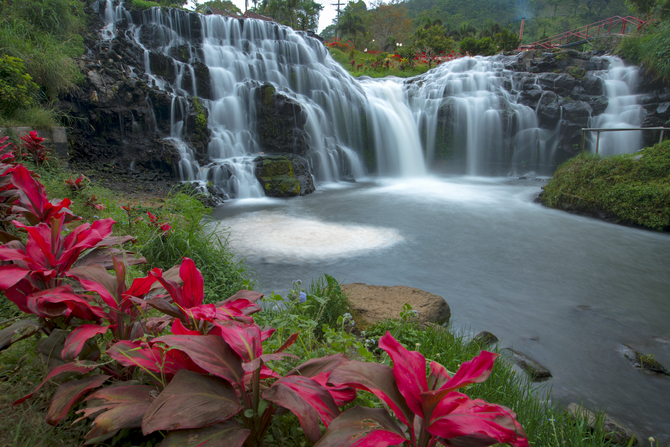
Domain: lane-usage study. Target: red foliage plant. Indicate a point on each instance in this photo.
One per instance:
(33, 144)
(206, 373)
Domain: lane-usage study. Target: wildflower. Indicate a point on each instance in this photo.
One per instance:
(346, 317)
(414, 313)
(353, 322)
(303, 297)
(417, 345)
(97, 217)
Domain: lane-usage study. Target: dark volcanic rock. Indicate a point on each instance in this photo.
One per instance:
(641, 361)
(280, 122)
(534, 370)
(549, 110)
(616, 433)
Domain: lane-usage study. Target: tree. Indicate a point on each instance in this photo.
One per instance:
(308, 12)
(506, 40)
(465, 30)
(490, 29)
(351, 23)
(389, 21)
(225, 6)
(432, 42)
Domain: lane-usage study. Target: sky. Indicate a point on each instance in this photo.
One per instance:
(327, 14)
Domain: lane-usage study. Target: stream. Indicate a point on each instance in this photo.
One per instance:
(563, 289)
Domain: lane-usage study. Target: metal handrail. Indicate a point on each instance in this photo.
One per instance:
(619, 129)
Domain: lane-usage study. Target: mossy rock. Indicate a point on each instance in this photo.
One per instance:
(284, 175)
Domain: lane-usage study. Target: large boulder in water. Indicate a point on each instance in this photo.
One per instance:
(379, 303)
(284, 175)
(280, 122)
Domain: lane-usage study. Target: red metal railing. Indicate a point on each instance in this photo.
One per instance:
(613, 25)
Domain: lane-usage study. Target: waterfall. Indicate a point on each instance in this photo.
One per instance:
(623, 111)
(467, 116)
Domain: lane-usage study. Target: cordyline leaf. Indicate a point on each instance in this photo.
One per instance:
(245, 339)
(306, 399)
(103, 257)
(68, 394)
(287, 344)
(409, 370)
(379, 380)
(162, 305)
(11, 274)
(125, 407)
(461, 421)
(130, 353)
(67, 368)
(225, 434)
(316, 366)
(210, 353)
(95, 278)
(191, 400)
(342, 395)
(76, 340)
(256, 363)
(476, 370)
(438, 376)
(8, 333)
(193, 287)
(249, 295)
(179, 329)
(362, 427)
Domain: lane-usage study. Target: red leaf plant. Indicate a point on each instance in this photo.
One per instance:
(429, 407)
(33, 144)
(77, 184)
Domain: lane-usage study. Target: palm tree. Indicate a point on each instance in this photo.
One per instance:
(465, 30)
(490, 29)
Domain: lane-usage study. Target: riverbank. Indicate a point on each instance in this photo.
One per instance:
(545, 423)
(629, 189)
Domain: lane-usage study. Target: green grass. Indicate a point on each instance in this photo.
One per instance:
(344, 59)
(633, 188)
(651, 49)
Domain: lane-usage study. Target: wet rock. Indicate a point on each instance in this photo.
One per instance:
(531, 97)
(593, 85)
(163, 66)
(535, 370)
(616, 433)
(645, 362)
(182, 53)
(379, 303)
(484, 339)
(284, 175)
(280, 122)
(598, 104)
(548, 110)
(202, 80)
(577, 112)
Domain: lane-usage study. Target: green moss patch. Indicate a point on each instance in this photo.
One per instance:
(630, 188)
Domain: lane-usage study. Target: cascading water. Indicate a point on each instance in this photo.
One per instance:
(623, 111)
(464, 116)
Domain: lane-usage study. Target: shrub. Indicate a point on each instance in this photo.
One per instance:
(633, 188)
(481, 47)
(17, 88)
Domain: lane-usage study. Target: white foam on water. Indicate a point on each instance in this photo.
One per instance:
(276, 237)
(433, 189)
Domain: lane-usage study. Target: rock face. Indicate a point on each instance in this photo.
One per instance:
(378, 303)
(617, 433)
(284, 175)
(280, 123)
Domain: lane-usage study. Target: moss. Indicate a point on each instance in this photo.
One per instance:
(630, 188)
(200, 119)
(278, 177)
(268, 94)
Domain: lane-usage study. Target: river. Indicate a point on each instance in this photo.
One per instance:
(565, 290)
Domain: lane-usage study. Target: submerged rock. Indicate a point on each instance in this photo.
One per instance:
(484, 339)
(646, 362)
(379, 303)
(616, 433)
(535, 370)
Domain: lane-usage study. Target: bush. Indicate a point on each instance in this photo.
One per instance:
(17, 88)
(506, 40)
(630, 189)
(481, 47)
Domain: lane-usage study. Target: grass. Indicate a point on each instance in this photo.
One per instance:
(651, 49)
(632, 188)
(344, 59)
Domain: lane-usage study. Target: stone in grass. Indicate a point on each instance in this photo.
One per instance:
(535, 371)
(484, 339)
(646, 362)
(379, 303)
(616, 433)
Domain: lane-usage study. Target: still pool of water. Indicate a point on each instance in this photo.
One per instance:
(563, 289)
